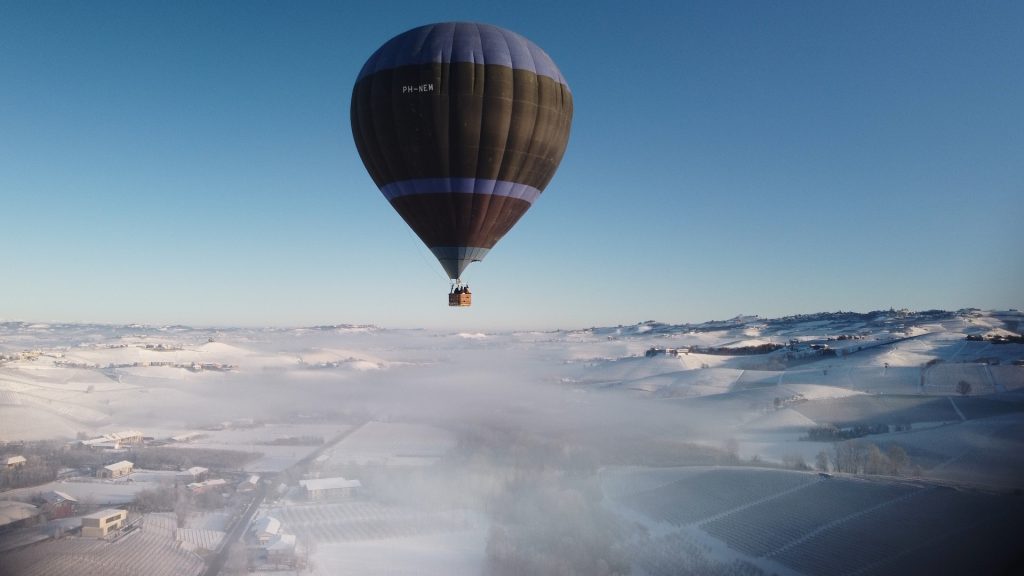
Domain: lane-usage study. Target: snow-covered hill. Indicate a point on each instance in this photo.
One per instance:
(727, 377)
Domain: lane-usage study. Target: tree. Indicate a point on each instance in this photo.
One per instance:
(875, 462)
(963, 387)
(821, 461)
(160, 499)
(898, 459)
(823, 433)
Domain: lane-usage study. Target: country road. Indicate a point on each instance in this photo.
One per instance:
(215, 563)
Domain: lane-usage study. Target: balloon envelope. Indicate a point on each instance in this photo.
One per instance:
(461, 126)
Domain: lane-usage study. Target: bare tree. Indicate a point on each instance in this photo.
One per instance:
(845, 459)
(875, 462)
(821, 461)
(158, 499)
(898, 459)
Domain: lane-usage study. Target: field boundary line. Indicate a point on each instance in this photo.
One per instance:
(957, 408)
(743, 507)
(842, 520)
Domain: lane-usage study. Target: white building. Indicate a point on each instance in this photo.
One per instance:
(195, 474)
(327, 488)
(207, 485)
(266, 529)
(116, 470)
(14, 461)
(115, 440)
(100, 524)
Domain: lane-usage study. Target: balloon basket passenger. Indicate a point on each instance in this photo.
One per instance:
(460, 296)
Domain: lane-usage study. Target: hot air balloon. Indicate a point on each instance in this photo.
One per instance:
(461, 125)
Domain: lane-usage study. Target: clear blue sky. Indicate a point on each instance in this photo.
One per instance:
(192, 162)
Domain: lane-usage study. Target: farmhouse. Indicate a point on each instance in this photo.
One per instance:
(116, 470)
(14, 462)
(327, 488)
(58, 504)
(657, 351)
(100, 524)
(207, 485)
(266, 529)
(195, 474)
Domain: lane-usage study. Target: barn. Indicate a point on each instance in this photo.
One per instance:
(57, 504)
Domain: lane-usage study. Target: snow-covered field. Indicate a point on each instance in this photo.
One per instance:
(276, 445)
(447, 553)
(390, 444)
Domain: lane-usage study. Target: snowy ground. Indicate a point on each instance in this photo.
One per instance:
(450, 553)
(390, 444)
(423, 394)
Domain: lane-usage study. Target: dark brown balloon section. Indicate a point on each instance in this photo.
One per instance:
(461, 126)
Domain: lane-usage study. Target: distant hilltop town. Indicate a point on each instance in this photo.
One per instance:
(193, 366)
(60, 359)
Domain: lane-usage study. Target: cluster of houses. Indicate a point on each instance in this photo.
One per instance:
(271, 546)
(55, 504)
(197, 480)
(24, 355)
(163, 347)
(215, 366)
(193, 366)
(659, 351)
